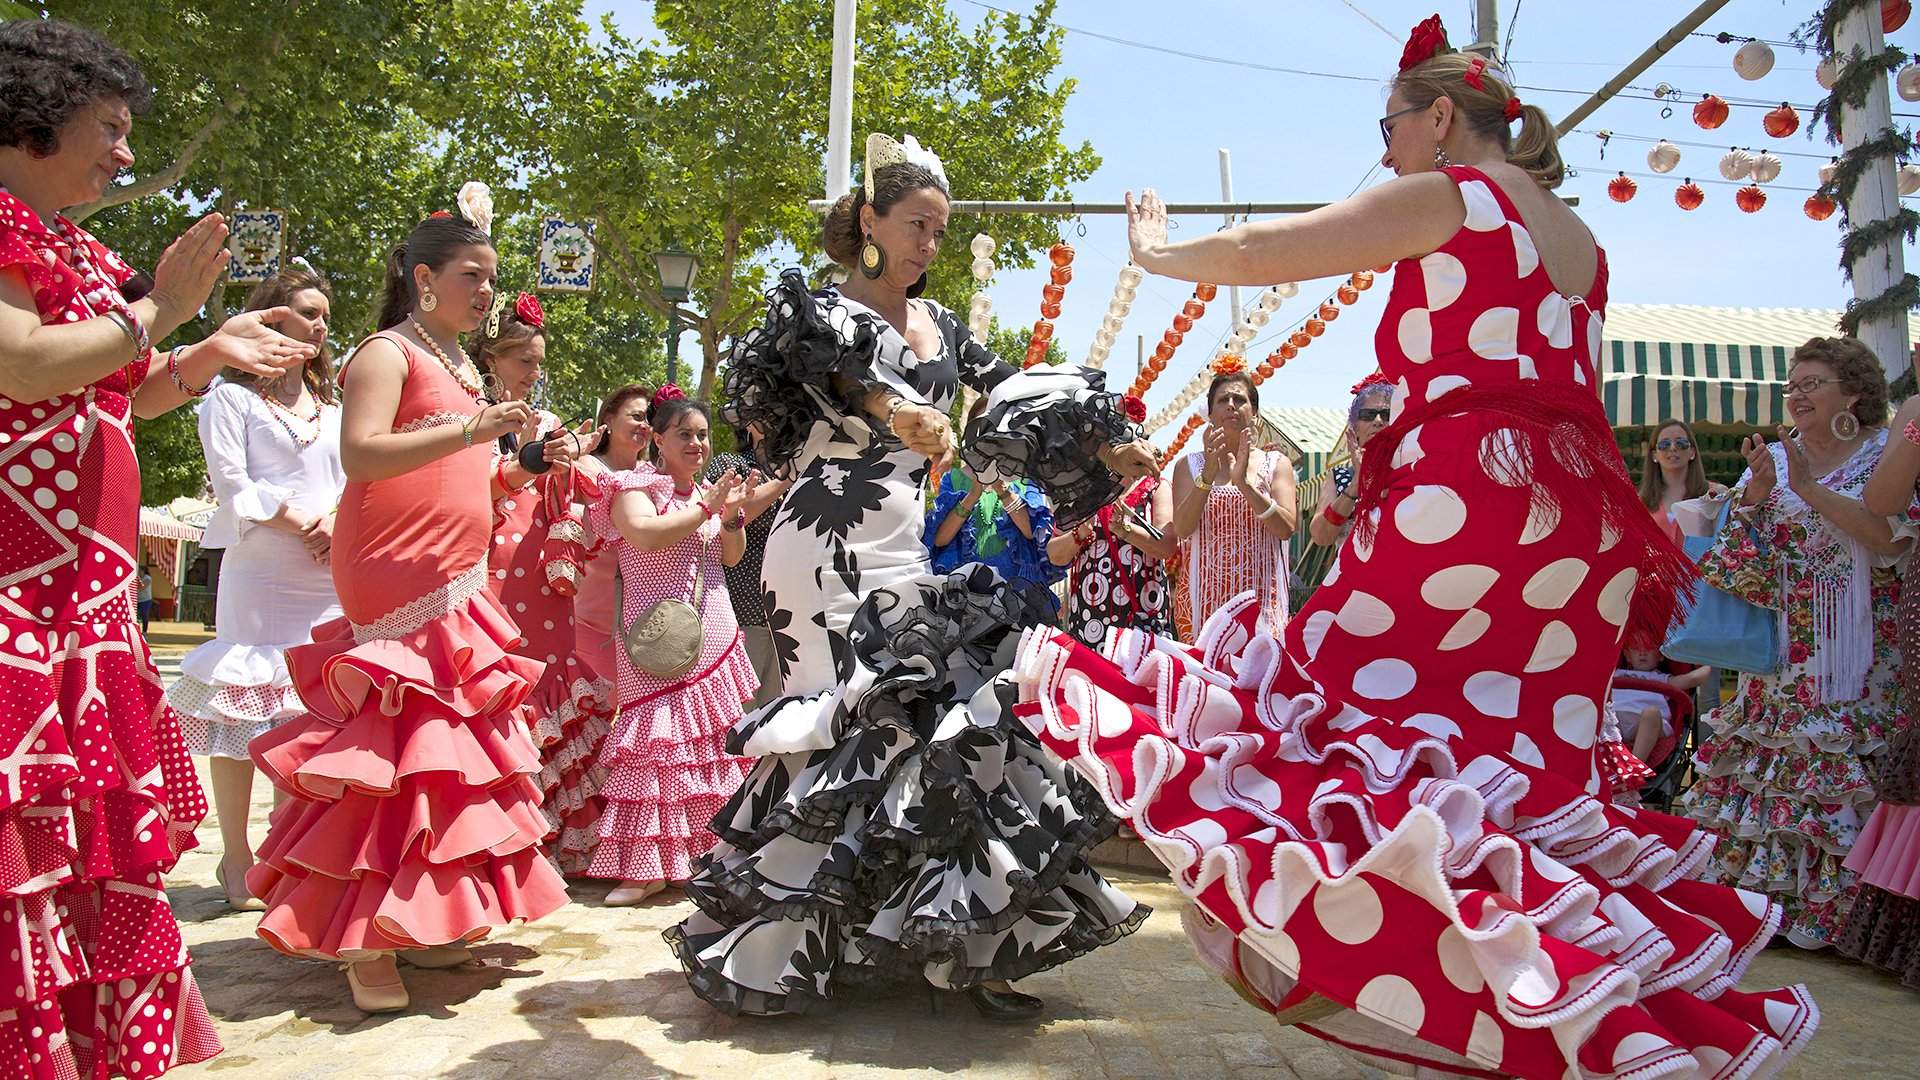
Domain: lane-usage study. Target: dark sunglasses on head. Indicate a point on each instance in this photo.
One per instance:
(1373, 414)
(1674, 444)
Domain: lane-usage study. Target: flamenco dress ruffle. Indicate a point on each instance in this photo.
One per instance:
(569, 720)
(414, 818)
(228, 694)
(97, 801)
(1396, 889)
(902, 823)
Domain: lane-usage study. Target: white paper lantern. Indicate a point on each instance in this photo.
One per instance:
(1766, 168)
(1258, 317)
(982, 246)
(1736, 164)
(1908, 83)
(1243, 333)
(1270, 300)
(1753, 61)
(1909, 179)
(1827, 171)
(1663, 157)
(1827, 72)
(1287, 289)
(1236, 346)
(1111, 324)
(1131, 277)
(982, 269)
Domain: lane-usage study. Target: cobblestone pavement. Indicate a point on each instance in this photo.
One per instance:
(593, 992)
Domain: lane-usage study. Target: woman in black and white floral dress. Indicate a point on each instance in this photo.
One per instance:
(899, 819)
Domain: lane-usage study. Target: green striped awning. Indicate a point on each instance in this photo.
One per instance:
(1643, 382)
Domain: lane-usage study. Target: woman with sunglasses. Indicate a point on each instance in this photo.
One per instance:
(1366, 417)
(1789, 762)
(1671, 473)
(1391, 819)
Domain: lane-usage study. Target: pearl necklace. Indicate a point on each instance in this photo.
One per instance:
(472, 386)
(278, 408)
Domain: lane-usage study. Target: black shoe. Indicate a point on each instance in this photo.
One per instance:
(1004, 1006)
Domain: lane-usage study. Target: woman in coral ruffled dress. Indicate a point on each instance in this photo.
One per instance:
(413, 825)
(1391, 819)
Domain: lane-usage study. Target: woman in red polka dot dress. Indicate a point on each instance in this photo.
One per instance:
(535, 567)
(1391, 821)
(97, 797)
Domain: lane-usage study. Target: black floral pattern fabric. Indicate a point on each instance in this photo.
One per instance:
(898, 819)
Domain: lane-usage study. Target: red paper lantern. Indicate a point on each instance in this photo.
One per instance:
(1711, 112)
(1289, 350)
(1750, 198)
(1300, 340)
(1193, 309)
(1061, 255)
(1622, 188)
(1329, 311)
(1206, 291)
(1348, 294)
(1315, 327)
(1172, 339)
(1036, 353)
(1043, 331)
(1182, 323)
(1265, 370)
(1819, 207)
(1781, 122)
(1052, 293)
(1050, 309)
(1362, 280)
(1257, 378)
(1383, 268)
(1893, 14)
(1689, 196)
(1163, 350)
(1061, 275)
(1157, 364)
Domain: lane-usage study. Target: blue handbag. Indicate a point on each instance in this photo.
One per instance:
(1720, 629)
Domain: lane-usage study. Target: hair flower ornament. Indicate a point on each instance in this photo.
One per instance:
(668, 392)
(476, 205)
(528, 310)
(1428, 40)
(1136, 409)
(1375, 379)
(1512, 111)
(1228, 364)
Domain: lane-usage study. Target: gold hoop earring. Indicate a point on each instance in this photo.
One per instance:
(1845, 426)
(873, 261)
(428, 301)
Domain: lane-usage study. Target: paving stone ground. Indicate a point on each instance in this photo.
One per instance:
(593, 992)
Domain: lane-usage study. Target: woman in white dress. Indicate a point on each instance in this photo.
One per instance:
(273, 456)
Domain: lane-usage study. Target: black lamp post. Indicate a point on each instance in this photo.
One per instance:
(677, 269)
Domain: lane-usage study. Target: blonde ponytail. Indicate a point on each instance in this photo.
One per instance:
(1537, 148)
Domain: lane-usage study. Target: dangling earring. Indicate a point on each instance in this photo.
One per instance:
(1440, 159)
(428, 301)
(1845, 426)
(873, 261)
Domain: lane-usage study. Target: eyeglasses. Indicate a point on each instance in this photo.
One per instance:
(1674, 444)
(1365, 415)
(1386, 132)
(1808, 385)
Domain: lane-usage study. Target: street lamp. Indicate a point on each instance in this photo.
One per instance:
(677, 269)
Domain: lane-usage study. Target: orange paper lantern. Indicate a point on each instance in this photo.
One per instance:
(1193, 309)
(1182, 323)
(1050, 309)
(1622, 188)
(1157, 364)
(1172, 339)
(1711, 112)
(1206, 291)
(1043, 331)
(1383, 268)
(1061, 255)
(1163, 350)
(1362, 280)
(1689, 196)
(1329, 311)
(1894, 14)
(1061, 275)
(1347, 294)
(1300, 340)
(1265, 370)
(1781, 122)
(1819, 207)
(1315, 327)
(1750, 199)
(1052, 293)
(1288, 351)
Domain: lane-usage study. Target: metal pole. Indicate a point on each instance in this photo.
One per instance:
(1876, 197)
(1641, 63)
(1226, 196)
(673, 345)
(1486, 32)
(840, 102)
(1074, 209)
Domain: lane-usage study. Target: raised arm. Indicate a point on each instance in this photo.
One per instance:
(1890, 489)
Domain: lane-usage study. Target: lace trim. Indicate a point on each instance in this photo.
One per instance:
(568, 531)
(420, 611)
(431, 420)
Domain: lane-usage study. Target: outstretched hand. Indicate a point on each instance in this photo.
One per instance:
(1146, 225)
(248, 342)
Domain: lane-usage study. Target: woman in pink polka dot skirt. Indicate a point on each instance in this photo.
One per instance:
(97, 796)
(668, 770)
(1391, 821)
(536, 564)
(412, 824)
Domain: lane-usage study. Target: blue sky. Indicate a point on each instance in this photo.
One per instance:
(1159, 120)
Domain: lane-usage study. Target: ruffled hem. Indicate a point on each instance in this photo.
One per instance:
(414, 819)
(1622, 969)
(571, 723)
(1762, 720)
(136, 1026)
(1045, 425)
(1887, 855)
(226, 663)
(1883, 931)
(221, 720)
(932, 837)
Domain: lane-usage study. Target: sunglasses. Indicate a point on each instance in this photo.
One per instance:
(1674, 444)
(1365, 415)
(1386, 131)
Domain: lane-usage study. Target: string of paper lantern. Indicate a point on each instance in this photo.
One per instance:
(980, 308)
(1051, 294)
(1176, 335)
(1125, 285)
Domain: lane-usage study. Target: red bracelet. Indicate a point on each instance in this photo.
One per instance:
(739, 522)
(173, 372)
(1912, 432)
(704, 508)
(1333, 516)
(500, 476)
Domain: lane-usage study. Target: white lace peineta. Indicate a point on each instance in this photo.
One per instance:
(418, 612)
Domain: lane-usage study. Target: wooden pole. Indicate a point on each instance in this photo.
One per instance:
(1641, 63)
(1876, 197)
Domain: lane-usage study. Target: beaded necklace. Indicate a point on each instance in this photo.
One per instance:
(281, 411)
(472, 386)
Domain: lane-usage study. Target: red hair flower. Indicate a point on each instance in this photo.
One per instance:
(1475, 75)
(527, 309)
(440, 213)
(1512, 111)
(1428, 40)
(1375, 379)
(1228, 364)
(1135, 408)
(667, 392)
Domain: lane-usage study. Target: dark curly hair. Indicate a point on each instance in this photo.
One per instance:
(51, 69)
(1858, 370)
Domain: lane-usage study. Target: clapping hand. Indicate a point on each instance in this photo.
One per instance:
(1761, 482)
(734, 502)
(186, 272)
(1217, 455)
(562, 447)
(248, 342)
(1240, 451)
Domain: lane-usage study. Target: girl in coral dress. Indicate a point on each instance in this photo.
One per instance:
(535, 571)
(668, 769)
(1392, 821)
(413, 822)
